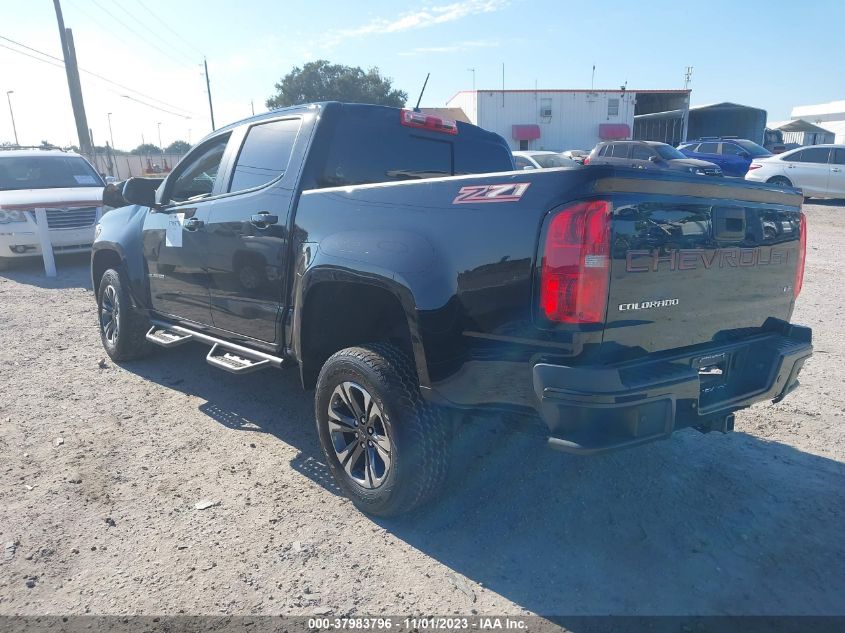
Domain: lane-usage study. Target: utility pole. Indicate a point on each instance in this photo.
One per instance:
(73, 84)
(12, 114)
(208, 87)
(687, 77)
(160, 145)
(252, 105)
(472, 70)
(114, 160)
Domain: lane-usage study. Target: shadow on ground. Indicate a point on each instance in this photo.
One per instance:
(71, 272)
(715, 524)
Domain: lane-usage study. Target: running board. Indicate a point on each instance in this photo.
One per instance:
(231, 357)
(234, 363)
(166, 338)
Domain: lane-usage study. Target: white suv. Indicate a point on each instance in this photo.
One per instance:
(818, 170)
(63, 183)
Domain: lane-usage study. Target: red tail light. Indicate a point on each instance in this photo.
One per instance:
(409, 118)
(587, 160)
(754, 166)
(802, 257)
(575, 269)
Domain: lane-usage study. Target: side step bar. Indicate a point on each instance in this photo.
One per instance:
(166, 338)
(235, 359)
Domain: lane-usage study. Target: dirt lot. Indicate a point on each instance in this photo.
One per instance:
(102, 467)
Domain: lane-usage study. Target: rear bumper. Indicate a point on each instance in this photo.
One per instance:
(596, 409)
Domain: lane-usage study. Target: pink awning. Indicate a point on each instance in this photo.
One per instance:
(614, 131)
(528, 132)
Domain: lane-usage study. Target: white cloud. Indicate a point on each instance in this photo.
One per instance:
(451, 48)
(421, 18)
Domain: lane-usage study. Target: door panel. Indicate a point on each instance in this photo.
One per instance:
(811, 171)
(175, 239)
(176, 267)
(836, 182)
(248, 233)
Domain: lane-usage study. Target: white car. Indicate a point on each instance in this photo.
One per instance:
(541, 160)
(64, 184)
(818, 170)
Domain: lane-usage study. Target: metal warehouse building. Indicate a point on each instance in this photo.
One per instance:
(563, 119)
(830, 116)
(718, 119)
(803, 132)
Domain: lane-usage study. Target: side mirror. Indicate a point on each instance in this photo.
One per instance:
(654, 158)
(528, 168)
(141, 191)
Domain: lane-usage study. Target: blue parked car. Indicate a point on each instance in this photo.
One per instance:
(733, 155)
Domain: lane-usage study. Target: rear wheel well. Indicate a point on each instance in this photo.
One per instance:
(338, 315)
(103, 260)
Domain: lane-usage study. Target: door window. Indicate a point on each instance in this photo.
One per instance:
(729, 149)
(265, 154)
(708, 148)
(620, 150)
(197, 173)
(522, 162)
(811, 155)
(641, 152)
(838, 157)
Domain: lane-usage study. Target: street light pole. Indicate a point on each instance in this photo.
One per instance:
(12, 114)
(114, 160)
(161, 147)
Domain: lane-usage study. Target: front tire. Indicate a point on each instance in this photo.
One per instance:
(386, 447)
(122, 328)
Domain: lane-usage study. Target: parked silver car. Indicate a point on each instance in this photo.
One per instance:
(818, 170)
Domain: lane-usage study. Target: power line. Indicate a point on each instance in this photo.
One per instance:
(14, 50)
(180, 37)
(136, 34)
(147, 28)
(149, 105)
(93, 74)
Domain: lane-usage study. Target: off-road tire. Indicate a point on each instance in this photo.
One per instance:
(418, 431)
(129, 340)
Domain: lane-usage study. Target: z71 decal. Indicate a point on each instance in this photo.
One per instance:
(474, 194)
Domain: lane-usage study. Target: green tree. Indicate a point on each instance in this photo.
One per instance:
(146, 148)
(177, 147)
(323, 81)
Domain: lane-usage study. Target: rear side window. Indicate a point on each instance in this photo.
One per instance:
(521, 162)
(812, 155)
(265, 154)
(691, 148)
(365, 144)
(732, 150)
(708, 148)
(838, 157)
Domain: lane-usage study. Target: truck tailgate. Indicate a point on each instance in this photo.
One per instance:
(709, 264)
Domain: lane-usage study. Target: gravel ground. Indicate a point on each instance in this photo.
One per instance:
(103, 465)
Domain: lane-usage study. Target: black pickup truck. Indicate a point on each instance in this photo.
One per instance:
(406, 269)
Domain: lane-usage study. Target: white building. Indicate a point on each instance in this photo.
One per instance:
(830, 116)
(563, 119)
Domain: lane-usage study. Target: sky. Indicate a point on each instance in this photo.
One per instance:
(771, 55)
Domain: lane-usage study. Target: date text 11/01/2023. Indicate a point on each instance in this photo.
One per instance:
(423, 623)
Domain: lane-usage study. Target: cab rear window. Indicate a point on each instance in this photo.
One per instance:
(364, 144)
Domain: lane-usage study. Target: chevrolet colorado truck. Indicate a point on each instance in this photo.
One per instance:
(403, 266)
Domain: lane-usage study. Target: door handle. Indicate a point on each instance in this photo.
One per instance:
(192, 224)
(836, 169)
(264, 219)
